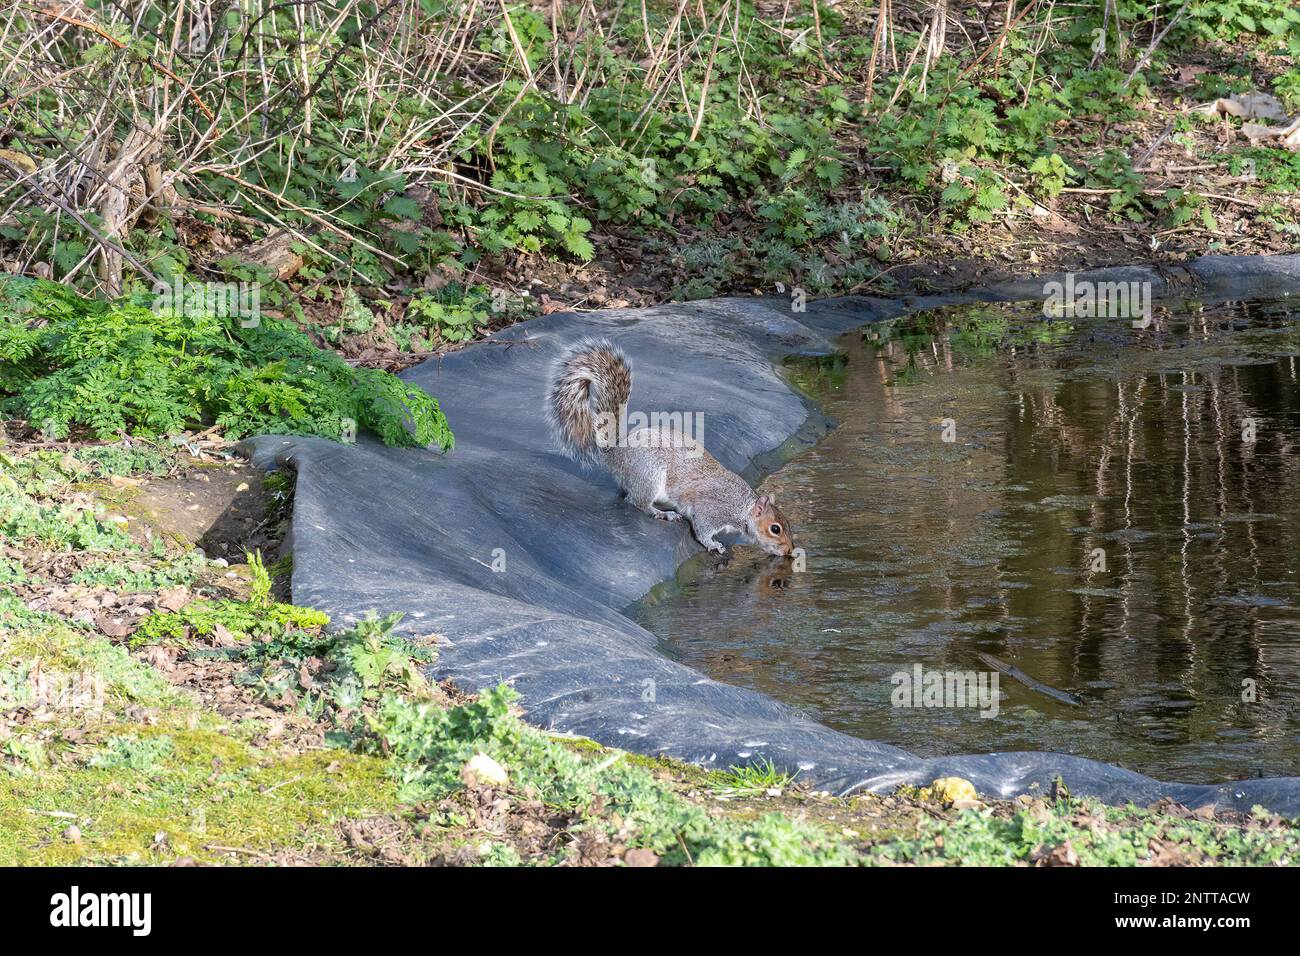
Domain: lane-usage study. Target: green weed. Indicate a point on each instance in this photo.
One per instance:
(258, 617)
(753, 778)
(143, 755)
(135, 576)
(119, 368)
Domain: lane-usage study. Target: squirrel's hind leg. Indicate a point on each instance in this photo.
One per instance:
(644, 490)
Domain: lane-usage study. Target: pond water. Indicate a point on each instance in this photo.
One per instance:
(1117, 516)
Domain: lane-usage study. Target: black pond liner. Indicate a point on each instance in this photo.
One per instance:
(385, 529)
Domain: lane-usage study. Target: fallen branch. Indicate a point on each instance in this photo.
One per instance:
(1037, 686)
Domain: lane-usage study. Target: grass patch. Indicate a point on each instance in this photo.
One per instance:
(1096, 835)
(608, 795)
(753, 778)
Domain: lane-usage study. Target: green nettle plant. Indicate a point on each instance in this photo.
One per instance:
(123, 368)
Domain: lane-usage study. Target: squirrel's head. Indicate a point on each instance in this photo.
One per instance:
(769, 528)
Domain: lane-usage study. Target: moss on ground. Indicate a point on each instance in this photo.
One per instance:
(209, 798)
(104, 761)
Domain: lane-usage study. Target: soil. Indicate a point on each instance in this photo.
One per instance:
(221, 509)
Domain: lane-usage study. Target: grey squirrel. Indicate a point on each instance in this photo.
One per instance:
(655, 465)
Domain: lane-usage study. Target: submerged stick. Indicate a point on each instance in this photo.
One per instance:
(1016, 674)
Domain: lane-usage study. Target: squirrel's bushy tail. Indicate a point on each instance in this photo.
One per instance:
(592, 378)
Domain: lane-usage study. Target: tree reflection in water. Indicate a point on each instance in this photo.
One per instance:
(1107, 520)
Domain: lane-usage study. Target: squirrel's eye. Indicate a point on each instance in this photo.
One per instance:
(775, 529)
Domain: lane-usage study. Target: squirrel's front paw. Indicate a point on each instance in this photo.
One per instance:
(717, 548)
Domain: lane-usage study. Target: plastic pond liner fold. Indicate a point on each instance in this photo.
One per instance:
(522, 561)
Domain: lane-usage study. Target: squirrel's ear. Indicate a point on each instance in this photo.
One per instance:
(760, 505)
